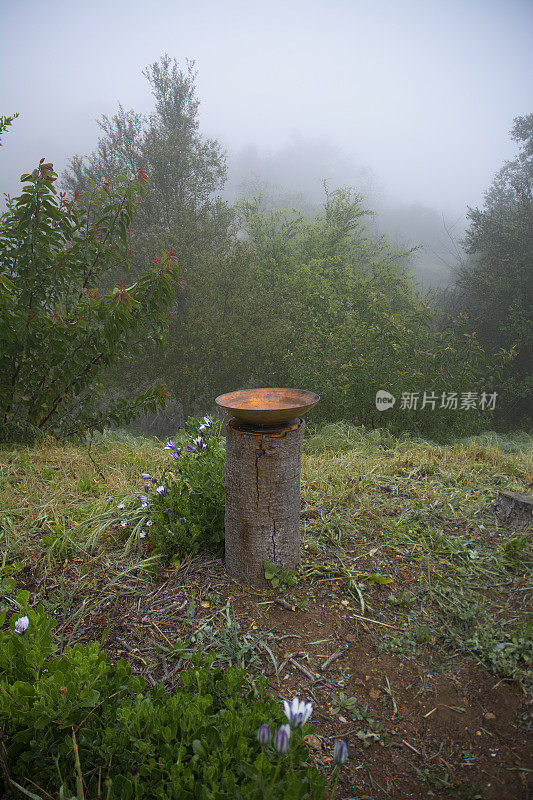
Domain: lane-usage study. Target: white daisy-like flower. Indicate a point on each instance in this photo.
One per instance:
(21, 625)
(297, 712)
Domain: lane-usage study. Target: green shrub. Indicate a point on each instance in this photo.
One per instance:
(62, 322)
(178, 511)
(189, 516)
(76, 718)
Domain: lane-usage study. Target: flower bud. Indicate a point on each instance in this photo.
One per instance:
(282, 738)
(263, 734)
(340, 752)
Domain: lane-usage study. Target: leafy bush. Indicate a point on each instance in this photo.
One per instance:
(494, 286)
(61, 325)
(181, 510)
(321, 303)
(75, 720)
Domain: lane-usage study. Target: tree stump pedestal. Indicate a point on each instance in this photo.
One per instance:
(515, 508)
(263, 467)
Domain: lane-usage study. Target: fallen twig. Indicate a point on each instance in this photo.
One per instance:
(284, 604)
(161, 632)
(331, 659)
(284, 663)
(376, 622)
(303, 669)
(97, 468)
(410, 746)
(389, 692)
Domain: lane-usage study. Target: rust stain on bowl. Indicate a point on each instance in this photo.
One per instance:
(267, 406)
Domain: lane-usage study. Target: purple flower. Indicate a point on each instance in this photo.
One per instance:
(282, 739)
(298, 712)
(145, 475)
(190, 448)
(142, 534)
(340, 752)
(147, 487)
(183, 520)
(169, 512)
(144, 500)
(154, 481)
(170, 445)
(176, 453)
(121, 507)
(207, 423)
(109, 499)
(263, 734)
(148, 523)
(161, 490)
(21, 625)
(199, 442)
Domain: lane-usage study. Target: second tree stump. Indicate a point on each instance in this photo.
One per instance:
(263, 467)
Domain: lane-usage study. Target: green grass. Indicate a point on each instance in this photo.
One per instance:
(425, 510)
(401, 513)
(402, 527)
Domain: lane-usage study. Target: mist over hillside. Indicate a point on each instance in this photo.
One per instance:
(299, 174)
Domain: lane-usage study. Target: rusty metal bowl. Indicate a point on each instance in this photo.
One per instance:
(267, 406)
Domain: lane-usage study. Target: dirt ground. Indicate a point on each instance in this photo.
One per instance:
(428, 726)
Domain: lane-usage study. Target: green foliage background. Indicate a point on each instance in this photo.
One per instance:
(317, 300)
(62, 321)
(495, 286)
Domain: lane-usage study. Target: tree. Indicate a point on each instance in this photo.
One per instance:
(186, 169)
(495, 285)
(60, 330)
(180, 209)
(320, 303)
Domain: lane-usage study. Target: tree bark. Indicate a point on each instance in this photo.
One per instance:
(263, 467)
(514, 508)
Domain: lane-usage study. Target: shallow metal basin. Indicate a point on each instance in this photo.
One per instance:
(267, 406)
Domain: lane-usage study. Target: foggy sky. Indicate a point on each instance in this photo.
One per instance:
(422, 93)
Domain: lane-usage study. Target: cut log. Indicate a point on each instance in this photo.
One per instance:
(515, 508)
(263, 467)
